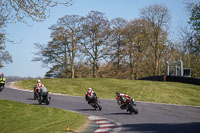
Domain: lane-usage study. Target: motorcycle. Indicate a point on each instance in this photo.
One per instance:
(44, 98)
(131, 107)
(1, 87)
(95, 103)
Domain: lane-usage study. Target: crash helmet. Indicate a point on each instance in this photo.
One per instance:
(117, 93)
(2, 74)
(89, 90)
(38, 81)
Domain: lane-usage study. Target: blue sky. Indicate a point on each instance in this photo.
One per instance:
(22, 53)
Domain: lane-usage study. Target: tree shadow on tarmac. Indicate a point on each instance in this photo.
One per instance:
(163, 127)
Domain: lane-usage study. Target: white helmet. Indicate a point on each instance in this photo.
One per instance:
(89, 89)
(39, 81)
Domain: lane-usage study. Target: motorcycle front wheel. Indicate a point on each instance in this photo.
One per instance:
(132, 109)
(47, 101)
(135, 110)
(98, 106)
(1, 88)
(40, 101)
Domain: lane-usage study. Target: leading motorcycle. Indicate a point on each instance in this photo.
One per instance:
(44, 98)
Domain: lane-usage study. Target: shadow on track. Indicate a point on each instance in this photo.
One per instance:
(85, 110)
(36, 104)
(118, 114)
(30, 99)
(163, 127)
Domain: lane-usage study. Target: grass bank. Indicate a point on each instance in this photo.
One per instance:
(149, 91)
(24, 118)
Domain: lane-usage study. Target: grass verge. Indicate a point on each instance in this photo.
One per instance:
(149, 91)
(24, 118)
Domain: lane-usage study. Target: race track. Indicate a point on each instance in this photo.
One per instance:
(152, 118)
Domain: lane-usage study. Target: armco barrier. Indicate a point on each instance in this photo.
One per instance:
(189, 80)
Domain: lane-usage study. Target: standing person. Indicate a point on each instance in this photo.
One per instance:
(2, 81)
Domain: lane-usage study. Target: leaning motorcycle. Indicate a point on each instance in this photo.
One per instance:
(131, 107)
(44, 98)
(95, 103)
(1, 87)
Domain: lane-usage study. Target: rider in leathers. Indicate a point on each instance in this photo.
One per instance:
(90, 95)
(37, 86)
(43, 91)
(2, 80)
(122, 99)
(37, 89)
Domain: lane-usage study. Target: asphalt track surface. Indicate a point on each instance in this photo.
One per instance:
(152, 118)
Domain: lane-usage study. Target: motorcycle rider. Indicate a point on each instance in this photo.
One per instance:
(43, 91)
(2, 80)
(37, 85)
(90, 95)
(37, 88)
(122, 99)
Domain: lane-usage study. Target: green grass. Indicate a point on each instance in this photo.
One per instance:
(24, 118)
(149, 91)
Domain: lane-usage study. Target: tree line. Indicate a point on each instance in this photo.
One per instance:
(93, 46)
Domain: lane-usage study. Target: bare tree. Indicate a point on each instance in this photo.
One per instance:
(36, 10)
(159, 17)
(95, 42)
(55, 53)
(73, 34)
(117, 39)
(21, 11)
(61, 51)
(5, 57)
(136, 40)
(141, 58)
(129, 48)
